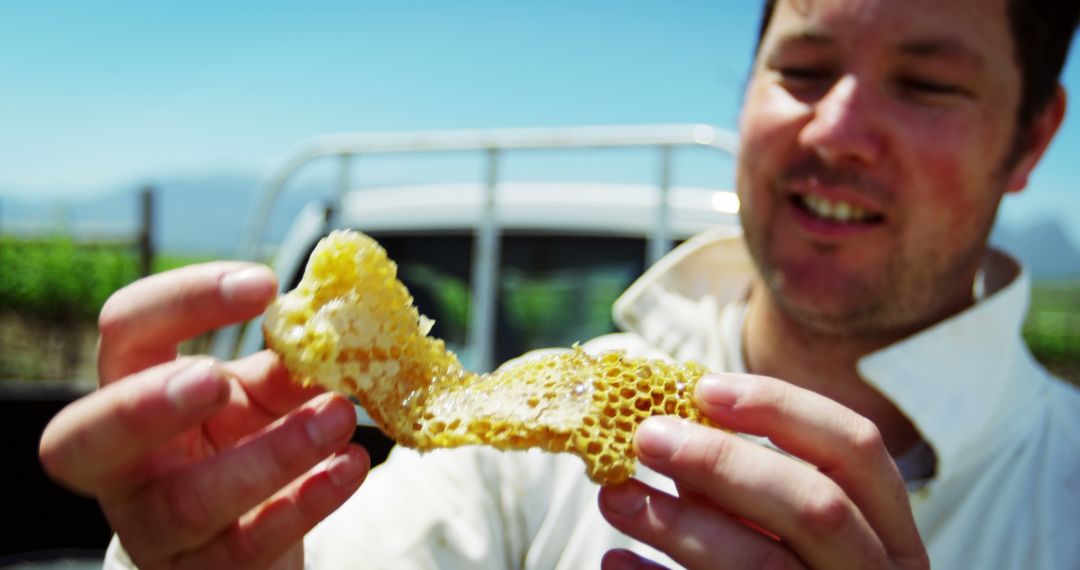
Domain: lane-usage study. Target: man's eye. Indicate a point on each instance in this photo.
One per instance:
(804, 74)
(923, 87)
(805, 83)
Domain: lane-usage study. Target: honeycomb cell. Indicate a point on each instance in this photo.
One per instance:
(350, 326)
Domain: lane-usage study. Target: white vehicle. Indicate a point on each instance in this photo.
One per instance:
(503, 266)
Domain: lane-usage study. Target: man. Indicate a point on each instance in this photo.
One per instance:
(878, 138)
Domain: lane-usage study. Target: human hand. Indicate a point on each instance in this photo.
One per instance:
(742, 505)
(196, 463)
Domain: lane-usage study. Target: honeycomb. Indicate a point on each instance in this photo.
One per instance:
(350, 326)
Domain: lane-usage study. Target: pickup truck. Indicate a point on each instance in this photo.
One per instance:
(501, 266)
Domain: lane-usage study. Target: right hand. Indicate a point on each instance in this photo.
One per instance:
(196, 463)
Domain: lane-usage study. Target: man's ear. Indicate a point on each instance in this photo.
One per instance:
(1039, 132)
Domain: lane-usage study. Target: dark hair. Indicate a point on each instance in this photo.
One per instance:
(1042, 29)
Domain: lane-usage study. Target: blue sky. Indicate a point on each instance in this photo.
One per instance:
(102, 96)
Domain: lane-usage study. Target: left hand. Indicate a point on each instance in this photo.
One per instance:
(838, 501)
(197, 463)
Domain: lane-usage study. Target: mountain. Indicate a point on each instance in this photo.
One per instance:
(210, 216)
(1043, 247)
(207, 216)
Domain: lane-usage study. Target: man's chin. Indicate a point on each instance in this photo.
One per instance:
(835, 314)
(826, 296)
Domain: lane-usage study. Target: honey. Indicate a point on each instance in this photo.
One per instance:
(350, 325)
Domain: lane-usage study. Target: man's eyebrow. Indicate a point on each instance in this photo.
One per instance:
(942, 48)
(809, 35)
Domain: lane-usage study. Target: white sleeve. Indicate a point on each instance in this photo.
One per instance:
(443, 509)
(116, 558)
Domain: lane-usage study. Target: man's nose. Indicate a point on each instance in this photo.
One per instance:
(846, 124)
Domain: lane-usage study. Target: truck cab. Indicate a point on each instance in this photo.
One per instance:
(501, 266)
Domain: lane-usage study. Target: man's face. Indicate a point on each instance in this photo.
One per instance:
(875, 137)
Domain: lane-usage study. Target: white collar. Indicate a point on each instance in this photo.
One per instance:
(964, 376)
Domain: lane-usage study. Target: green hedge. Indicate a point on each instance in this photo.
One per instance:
(1052, 329)
(61, 279)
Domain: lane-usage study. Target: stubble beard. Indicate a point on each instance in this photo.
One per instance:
(915, 287)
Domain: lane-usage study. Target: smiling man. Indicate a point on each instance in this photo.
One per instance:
(870, 340)
(878, 142)
(878, 139)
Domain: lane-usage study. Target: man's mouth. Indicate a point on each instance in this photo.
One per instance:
(835, 211)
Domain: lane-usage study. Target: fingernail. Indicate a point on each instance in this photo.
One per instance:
(724, 391)
(248, 286)
(347, 468)
(330, 422)
(195, 387)
(625, 500)
(659, 437)
(620, 558)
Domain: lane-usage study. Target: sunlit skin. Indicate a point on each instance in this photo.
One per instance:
(898, 110)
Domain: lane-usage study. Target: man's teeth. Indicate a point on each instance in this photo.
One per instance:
(834, 211)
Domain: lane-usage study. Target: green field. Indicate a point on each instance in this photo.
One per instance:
(51, 291)
(58, 282)
(1052, 329)
(64, 280)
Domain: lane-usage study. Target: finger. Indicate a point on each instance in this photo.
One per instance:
(262, 393)
(789, 498)
(622, 559)
(191, 505)
(142, 324)
(843, 445)
(692, 534)
(266, 381)
(687, 494)
(276, 526)
(88, 441)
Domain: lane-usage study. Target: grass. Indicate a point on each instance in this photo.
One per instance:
(60, 281)
(64, 280)
(51, 291)
(1052, 328)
